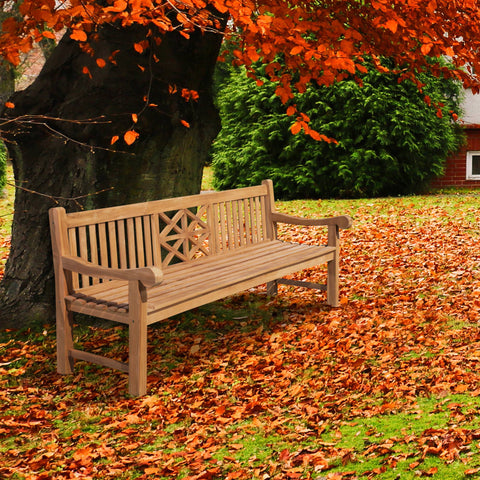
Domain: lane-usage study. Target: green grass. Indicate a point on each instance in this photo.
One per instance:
(6, 217)
(207, 181)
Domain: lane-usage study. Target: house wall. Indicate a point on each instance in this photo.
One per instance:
(470, 108)
(456, 166)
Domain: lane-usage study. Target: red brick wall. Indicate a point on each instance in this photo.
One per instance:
(456, 166)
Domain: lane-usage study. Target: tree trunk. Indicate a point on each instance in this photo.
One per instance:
(7, 82)
(56, 161)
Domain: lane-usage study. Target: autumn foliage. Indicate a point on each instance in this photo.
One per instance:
(319, 40)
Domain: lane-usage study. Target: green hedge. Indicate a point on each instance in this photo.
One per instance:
(390, 141)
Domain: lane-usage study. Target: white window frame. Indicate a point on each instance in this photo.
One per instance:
(470, 155)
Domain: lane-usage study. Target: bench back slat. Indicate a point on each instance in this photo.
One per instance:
(167, 231)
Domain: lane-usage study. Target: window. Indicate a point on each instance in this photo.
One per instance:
(473, 165)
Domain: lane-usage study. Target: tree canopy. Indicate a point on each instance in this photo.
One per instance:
(322, 40)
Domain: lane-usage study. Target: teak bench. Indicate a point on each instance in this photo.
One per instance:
(141, 263)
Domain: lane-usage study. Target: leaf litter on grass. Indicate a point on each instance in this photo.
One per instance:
(257, 388)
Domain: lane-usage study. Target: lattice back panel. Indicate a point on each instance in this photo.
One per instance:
(213, 228)
(184, 235)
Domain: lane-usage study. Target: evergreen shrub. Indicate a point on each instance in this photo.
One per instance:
(390, 141)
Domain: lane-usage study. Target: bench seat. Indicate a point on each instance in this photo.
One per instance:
(186, 286)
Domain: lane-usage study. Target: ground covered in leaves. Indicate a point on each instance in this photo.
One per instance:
(386, 386)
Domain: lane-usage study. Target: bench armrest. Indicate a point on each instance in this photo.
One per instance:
(341, 221)
(149, 276)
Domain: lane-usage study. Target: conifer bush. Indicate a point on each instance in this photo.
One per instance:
(391, 141)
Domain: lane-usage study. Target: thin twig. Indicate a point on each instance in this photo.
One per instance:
(57, 199)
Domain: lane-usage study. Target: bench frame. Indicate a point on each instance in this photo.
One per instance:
(88, 266)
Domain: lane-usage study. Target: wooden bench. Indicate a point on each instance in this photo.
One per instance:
(141, 263)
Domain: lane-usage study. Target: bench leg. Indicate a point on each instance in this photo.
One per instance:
(333, 267)
(137, 340)
(137, 361)
(332, 282)
(272, 288)
(65, 361)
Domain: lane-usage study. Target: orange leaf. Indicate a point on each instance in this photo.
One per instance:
(315, 135)
(296, 50)
(291, 110)
(118, 6)
(220, 6)
(79, 35)
(134, 117)
(10, 105)
(152, 470)
(296, 127)
(471, 471)
(82, 454)
(114, 139)
(425, 48)
(86, 71)
(101, 62)
(185, 123)
(283, 93)
(130, 137)
(392, 25)
(138, 47)
(48, 34)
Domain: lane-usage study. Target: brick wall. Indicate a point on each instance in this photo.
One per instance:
(456, 166)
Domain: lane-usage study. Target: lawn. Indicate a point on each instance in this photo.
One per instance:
(387, 386)
(6, 216)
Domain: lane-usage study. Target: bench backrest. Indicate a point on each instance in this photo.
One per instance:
(165, 231)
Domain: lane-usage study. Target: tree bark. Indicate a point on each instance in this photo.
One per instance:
(56, 161)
